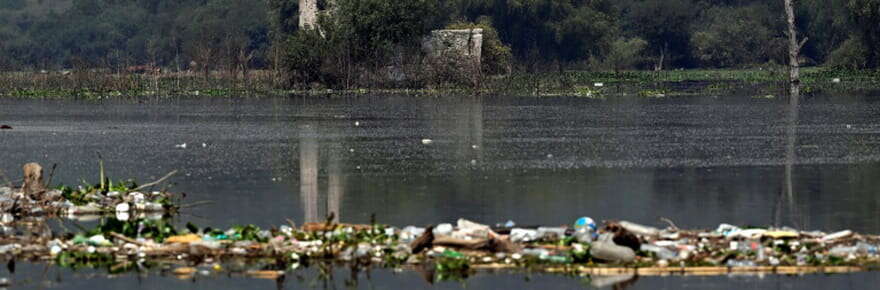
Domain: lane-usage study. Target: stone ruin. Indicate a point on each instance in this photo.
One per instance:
(466, 44)
(308, 14)
(460, 46)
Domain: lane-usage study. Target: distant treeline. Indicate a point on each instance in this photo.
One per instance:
(539, 34)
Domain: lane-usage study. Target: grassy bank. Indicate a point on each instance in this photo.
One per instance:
(600, 85)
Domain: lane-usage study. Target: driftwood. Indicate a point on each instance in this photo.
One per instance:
(424, 241)
(126, 239)
(475, 244)
(326, 227)
(492, 244)
(172, 173)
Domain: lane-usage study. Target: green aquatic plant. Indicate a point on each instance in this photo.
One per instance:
(657, 93)
(157, 230)
(452, 266)
(78, 260)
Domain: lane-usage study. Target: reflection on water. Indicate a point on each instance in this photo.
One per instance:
(315, 207)
(38, 276)
(308, 167)
(786, 201)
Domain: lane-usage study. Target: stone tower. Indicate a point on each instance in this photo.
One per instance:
(308, 14)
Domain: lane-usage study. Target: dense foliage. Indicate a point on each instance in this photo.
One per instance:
(539, 34)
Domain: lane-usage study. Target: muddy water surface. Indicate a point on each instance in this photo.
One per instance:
(698, 161)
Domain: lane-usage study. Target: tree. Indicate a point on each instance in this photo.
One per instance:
(553, 30)
(283, 18)
(735, 37)
(665, 25)
(374, 28)
(866, 16)
(826, 23)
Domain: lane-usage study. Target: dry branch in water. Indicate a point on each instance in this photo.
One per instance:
(172, 173)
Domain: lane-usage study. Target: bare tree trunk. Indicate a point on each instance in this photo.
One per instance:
(794, 50)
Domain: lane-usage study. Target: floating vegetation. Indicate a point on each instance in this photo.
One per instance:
(454, 252)
(449, 251)
(123, 198)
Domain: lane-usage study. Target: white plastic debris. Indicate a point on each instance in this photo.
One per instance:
(748, 234)
(443, 229)
(410, 233)
(123, 207)
(837, 235)
(523, 235)
(99, 240)
(136, 197)
(468, 229)
(606, 249)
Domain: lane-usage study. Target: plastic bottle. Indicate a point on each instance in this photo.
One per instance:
(551, 232)
(584, 235)
(660, 252)
(842, 251)
(866, 248)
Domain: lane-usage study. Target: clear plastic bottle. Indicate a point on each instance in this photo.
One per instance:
(584, 235)
(660, 252)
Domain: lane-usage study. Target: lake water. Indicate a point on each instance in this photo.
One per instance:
(698, 161)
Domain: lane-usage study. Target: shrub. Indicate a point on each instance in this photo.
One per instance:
(625, 54)
(852, 54)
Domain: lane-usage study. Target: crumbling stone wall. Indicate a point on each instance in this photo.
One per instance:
(308, 14)
(466, 44)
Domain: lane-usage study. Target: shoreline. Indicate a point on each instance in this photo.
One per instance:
(757, 83)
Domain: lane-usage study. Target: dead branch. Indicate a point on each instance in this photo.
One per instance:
(669, 221)
(126, 239)
(157, 181)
